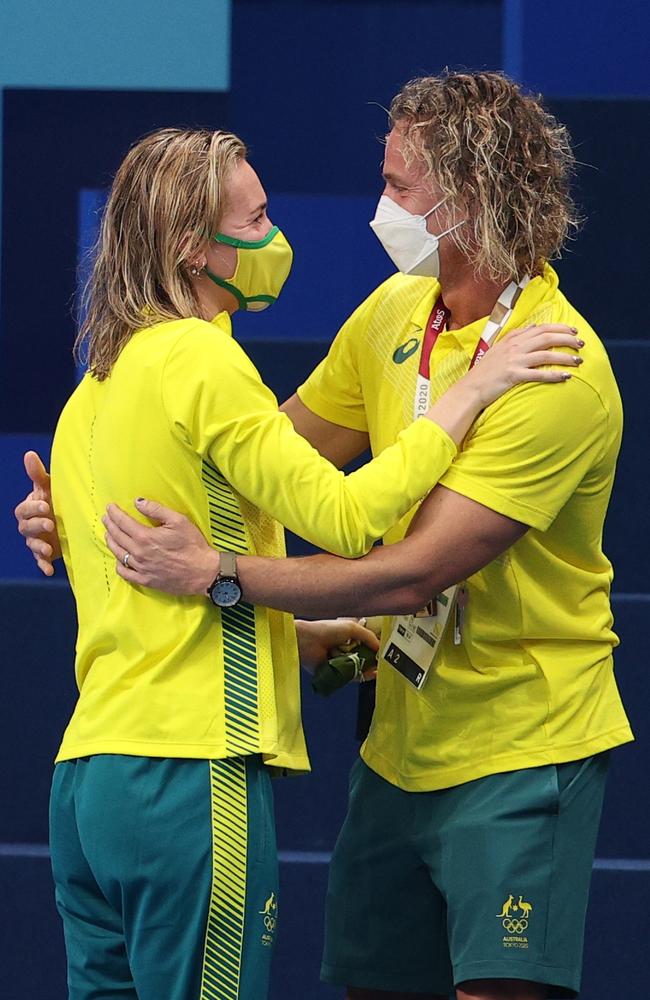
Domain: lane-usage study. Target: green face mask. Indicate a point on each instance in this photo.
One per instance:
(262, 268)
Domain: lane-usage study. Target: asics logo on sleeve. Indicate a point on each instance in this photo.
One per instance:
(404, 351)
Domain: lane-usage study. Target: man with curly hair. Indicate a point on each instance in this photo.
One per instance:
(465, 859)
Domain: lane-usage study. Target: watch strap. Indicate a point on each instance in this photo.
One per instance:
(227, 565)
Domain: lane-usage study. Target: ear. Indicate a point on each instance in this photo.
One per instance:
(197, 264)
(191, 255)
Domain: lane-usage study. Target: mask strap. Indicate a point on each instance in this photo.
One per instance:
(447, 231)
(243, 300)
(441, 202)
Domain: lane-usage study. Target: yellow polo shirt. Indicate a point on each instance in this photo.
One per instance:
(532, 682)
(185, 419)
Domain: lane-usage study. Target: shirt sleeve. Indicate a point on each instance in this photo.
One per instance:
(333, 390)
(531, 449)
(218, 405)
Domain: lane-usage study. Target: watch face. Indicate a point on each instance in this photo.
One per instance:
(226, 593)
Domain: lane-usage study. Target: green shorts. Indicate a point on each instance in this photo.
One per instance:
(486, 880)
(166, 877)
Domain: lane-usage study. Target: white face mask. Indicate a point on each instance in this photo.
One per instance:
(406, 240)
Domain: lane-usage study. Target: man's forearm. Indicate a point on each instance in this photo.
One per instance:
(385, 581)
(392, 579)
(452, 538)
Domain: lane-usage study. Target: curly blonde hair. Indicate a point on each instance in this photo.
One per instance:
(499, 157)
(167, 198)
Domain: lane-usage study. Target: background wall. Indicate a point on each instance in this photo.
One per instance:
(303, 82)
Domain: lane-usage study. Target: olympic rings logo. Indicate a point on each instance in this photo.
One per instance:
(515, 926)
(270, 924)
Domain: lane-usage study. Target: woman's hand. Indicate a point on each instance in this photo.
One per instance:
(520, 356)
(515, 358)
(36, 518)
(318, 641)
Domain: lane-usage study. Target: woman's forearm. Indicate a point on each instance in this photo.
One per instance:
(456, 411)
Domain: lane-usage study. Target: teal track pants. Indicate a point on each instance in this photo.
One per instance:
(166, 877)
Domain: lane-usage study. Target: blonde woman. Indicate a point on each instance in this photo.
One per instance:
(162, 832)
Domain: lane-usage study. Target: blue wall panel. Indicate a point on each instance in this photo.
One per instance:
(603, 269)
(37, 695)
(597, 49)
(306, 100)
(56, 143)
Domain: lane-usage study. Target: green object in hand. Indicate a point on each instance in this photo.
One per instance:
(340, 670)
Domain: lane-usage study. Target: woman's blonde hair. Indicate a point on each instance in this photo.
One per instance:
(498, 155)
(167, 198)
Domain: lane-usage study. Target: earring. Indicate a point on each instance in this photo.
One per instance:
(195, 270)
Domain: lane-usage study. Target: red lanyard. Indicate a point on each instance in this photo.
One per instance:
(481, 348)
(435, 325)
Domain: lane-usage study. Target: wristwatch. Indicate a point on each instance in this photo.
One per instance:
(225, 590)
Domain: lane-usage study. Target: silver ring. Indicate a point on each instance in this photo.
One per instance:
(125, 559)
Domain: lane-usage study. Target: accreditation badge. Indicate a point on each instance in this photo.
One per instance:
(414, 639)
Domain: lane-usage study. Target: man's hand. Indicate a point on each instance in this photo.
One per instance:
(172, 556)
(317, 641)
(36, 518)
